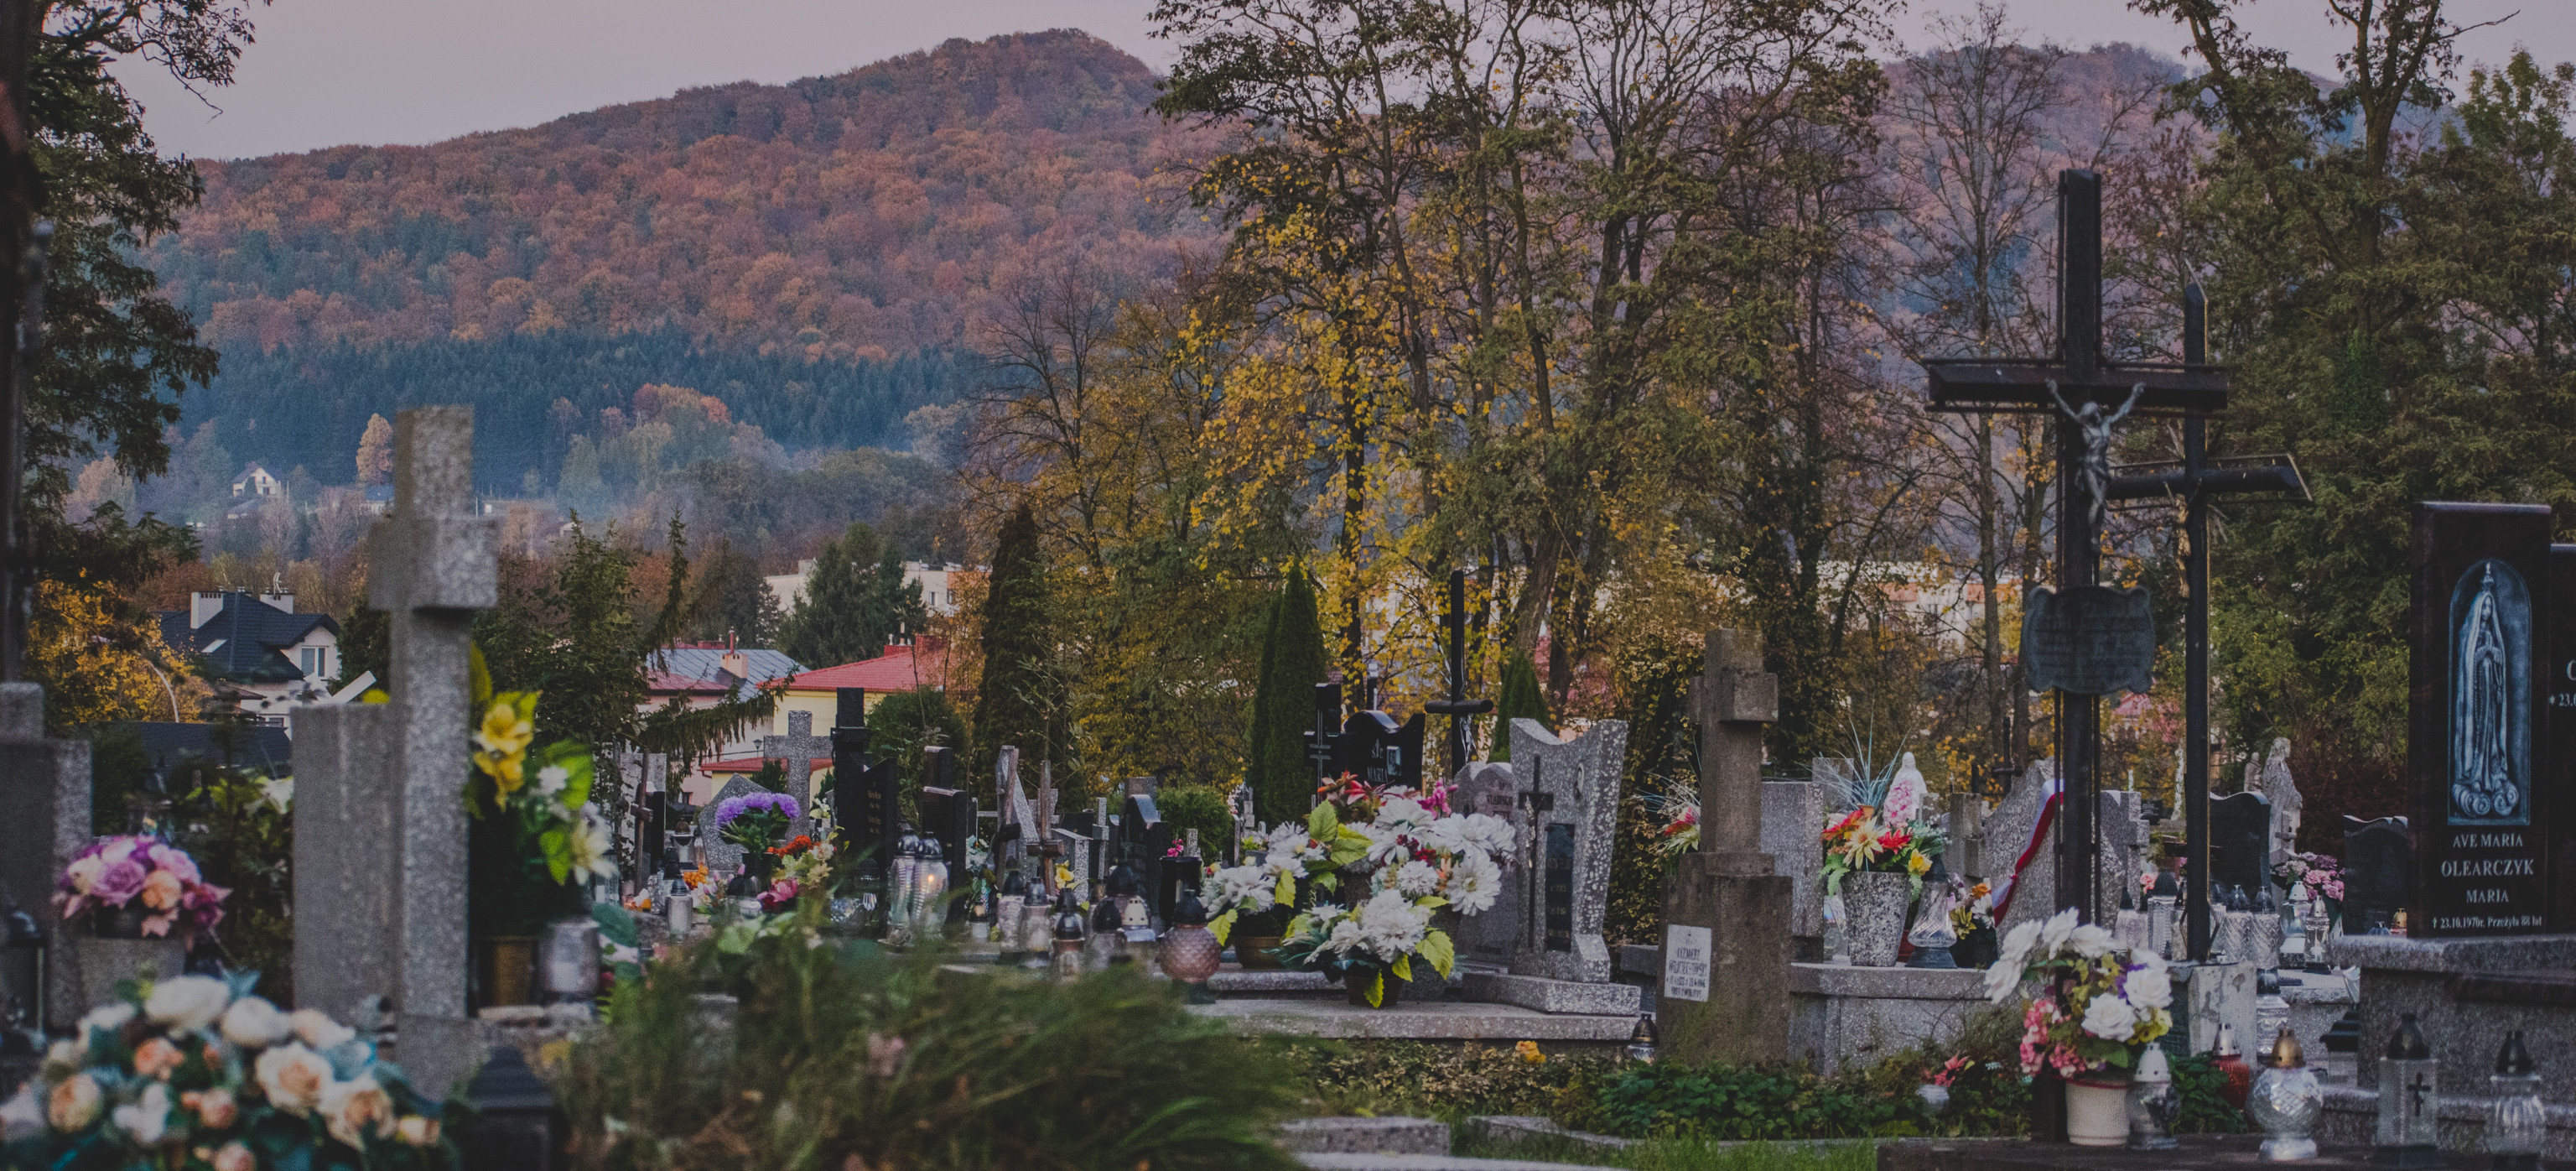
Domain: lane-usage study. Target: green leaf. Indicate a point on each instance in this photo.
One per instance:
(1286, 893)
(1221, 926)
(1437, 948)
(1328, 880)
(1322, 821)
(1402, 967)
(616, 925)
(1377, 989)
(557, 846)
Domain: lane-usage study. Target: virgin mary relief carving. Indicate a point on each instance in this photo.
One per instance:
(2490, 696)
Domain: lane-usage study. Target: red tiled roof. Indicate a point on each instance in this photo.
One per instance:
(894, 670)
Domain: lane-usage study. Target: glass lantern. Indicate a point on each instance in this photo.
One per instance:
(2153, 1103)
(2516, 1123)
(1643, 1042)
(2409, 1101)
(2271, 1010)
(1933, 933)
(1190, 952)
(2285, 1102)
(570, 961)
(1065, 950)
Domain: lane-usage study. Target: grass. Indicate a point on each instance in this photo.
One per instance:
(1684, 1155)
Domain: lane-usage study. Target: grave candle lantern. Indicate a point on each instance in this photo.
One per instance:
(1190, 952)
(2408, 1102)
(2153, 1103)
(1642, 1042)
(1067, 945)
(2516, 1121)
(2161, 904)
(2286, 1101)
(1933, 933)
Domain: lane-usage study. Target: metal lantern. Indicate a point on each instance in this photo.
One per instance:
(1190, 952)
(2271, 1012)
(1066, 947)
(1642, 1042)
(2153, 1103)
(2286, 1102)
(516, 1121)
(2162, 903)
(22, 982)
(2409, 1102)
(1108, 944)
(2516, 1121)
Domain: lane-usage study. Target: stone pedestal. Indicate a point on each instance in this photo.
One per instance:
(88, 968)
(1842, 1017)
(1544, 995)
(1747, 917)
(2467, 993)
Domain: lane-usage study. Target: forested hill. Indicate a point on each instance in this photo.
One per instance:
(836, 233)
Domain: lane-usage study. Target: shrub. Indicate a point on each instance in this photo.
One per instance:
(844, 1056)
(1201, 808)
(1759, 1102)
(1416, 1079)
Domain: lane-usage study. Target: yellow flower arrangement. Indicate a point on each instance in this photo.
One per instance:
(501, 744)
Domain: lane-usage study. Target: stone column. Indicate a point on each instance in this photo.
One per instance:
(1728, 887)
(44, 807)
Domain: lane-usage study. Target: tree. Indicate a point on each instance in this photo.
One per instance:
(855, 602)
(376, 453)
(739, 603)
(1017, 701)
(1292, 663)
(1521, 699)
(907, 722)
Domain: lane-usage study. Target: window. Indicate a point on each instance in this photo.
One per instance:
(316, 661)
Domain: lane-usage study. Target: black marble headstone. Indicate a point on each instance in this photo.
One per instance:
(1379, 751)
(2240, 843)
(1140, 840)
(2378, 865)
(863, 790)
(2474, 742)
(948, 817)
(648, 834)
(1559, 888)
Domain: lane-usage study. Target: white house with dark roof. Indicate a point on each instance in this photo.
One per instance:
(256, 481)
(263, 657)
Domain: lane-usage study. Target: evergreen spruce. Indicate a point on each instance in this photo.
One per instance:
(1521, 699)
(1292, 663)
(856, 602)
(1014, 702)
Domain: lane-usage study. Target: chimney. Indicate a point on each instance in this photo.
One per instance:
(736, 663)
(203, 605)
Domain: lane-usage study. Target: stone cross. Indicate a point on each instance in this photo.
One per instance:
(1733, 698)
(799, 749)
(380, 862)
(1573, 822)
(1792, 813)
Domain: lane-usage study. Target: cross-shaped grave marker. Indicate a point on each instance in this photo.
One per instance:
(798, 750)
(2194, 480)
(2088, 396)
(1457, 706)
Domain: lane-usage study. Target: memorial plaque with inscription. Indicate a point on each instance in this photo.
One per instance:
(1559, 891)
(2478, 700)
(1686, 963)
(2089, 640)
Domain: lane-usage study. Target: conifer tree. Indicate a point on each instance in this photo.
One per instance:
(1521, 699)
(855, 602)
(1015, 700)
(1292, 663)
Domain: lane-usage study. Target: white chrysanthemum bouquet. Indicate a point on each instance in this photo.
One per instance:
(2090, 1008)
(194, 1072)
(1415, 858)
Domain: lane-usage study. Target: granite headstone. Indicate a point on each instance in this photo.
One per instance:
(2378, 865)
(2240, 846)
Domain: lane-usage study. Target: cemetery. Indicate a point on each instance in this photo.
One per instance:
(1583, 618)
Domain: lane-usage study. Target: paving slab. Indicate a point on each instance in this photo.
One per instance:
(1335, 1162)
(1432, 1021)
(1383, 1136)
(1555, 996)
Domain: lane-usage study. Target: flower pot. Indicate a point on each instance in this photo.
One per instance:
(1977, 949)
(762, 865)
(2097, 1112)
(1258, 952)
(1356, 987)
(1875, 905)
(98, 963)
(506, 967)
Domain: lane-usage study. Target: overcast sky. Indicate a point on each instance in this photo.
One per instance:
(328, 72)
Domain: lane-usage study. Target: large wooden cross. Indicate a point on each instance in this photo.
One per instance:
(2195, 481)
(2088, 396)
(1457, 706)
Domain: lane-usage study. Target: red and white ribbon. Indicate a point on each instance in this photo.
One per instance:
(2053, 794)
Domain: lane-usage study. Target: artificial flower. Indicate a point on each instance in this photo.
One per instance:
(417, 1131)
(162, 890)
(233, 1156)
(217, 1109)
(2149, 985)
(2110, 1018)
(187, 1002)
(279, 793)
(293, 1077)
(254, 1023)
(316, 1029)
(74, 1103)
(107, 1018)
(22, 1116)
(157, 1057)
(146, 1119)
(355, 1109)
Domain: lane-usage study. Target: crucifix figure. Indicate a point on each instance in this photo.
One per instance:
(1538, 801)
(1458, 707)
(2066, 385)
(2195, 481)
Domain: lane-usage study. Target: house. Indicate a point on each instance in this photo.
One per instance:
(262, 657)
(701, 675)
(256, 482)
(818, 693)
(258, 748)
(938, 594)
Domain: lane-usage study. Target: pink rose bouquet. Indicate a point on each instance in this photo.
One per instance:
(115, 872)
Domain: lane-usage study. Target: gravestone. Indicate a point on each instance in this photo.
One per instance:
(1487, 940)
(2120, 818)
(1380, 751)
(948, 818)
(1965, 850)
(2480, 814)
(796, 753)
(1569, 792)
(2282, 790)
(721, 857)
(1727, 909)
(1142, 838)
(2378, 866)
(866, 814)
(2561, 729)
(380, 852)
(1793, 822)
(45, 809)
(2240, 846)
(2127, 840)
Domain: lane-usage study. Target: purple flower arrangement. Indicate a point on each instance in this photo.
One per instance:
(114, 872)
(755, 821)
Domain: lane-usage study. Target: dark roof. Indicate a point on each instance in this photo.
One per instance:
(247, 637)
(252, 747)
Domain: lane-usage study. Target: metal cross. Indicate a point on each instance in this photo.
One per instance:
(1458, 707)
